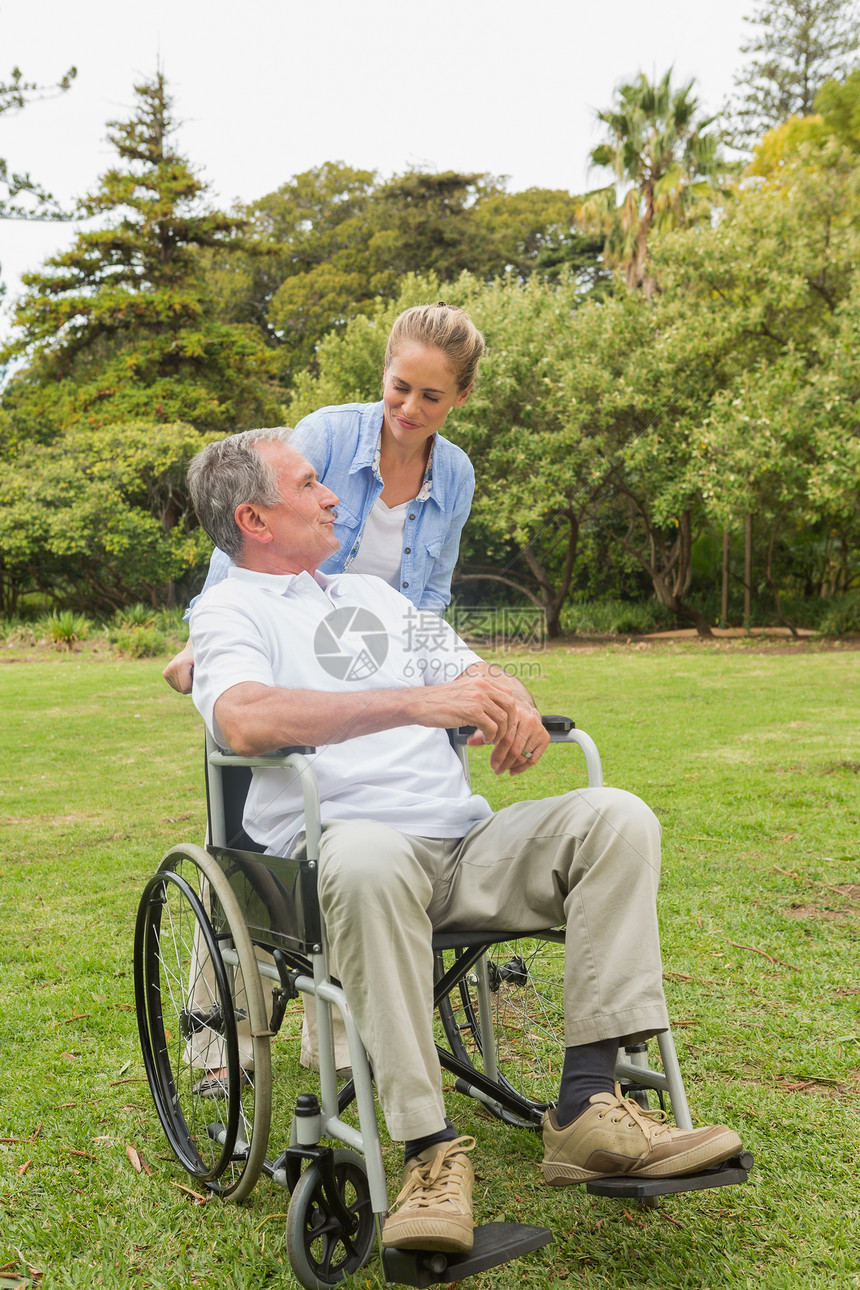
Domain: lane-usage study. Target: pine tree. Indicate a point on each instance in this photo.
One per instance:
(798, 46)
(123, 326)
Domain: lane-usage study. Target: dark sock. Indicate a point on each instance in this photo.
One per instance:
(588, 1069)
(415, 1146)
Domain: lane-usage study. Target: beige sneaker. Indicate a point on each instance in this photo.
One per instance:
(435, 1201)
(616, 1136)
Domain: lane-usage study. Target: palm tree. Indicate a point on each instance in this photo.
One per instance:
(664, 157)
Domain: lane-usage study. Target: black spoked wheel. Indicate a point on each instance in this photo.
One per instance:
(202, 1023)
(322, 1246)
(523, 1052)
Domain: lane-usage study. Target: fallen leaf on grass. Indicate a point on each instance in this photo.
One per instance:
(137, 1161)
(195, 1195)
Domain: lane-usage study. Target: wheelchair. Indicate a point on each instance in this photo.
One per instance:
(227, 939)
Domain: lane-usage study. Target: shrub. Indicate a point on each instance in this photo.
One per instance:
(64, 629)
(139, 642)
(135, 616)
(616, 617)
(842, 615)
(15, 632)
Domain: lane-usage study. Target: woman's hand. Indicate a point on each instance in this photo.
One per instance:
(180, 670)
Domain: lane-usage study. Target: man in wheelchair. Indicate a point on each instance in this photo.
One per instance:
(287, 656)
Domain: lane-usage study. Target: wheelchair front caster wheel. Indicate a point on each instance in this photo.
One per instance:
(322, 1247)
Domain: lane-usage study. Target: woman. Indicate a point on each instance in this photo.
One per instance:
(405, 491)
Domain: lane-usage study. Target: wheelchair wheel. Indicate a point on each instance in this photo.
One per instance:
(200, 1011)
(524, 1051)
(323, 1249)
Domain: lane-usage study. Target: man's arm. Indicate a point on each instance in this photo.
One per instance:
(256, 718)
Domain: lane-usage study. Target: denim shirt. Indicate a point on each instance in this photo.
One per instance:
(341, 444)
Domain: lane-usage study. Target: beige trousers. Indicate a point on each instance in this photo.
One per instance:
(589, 860)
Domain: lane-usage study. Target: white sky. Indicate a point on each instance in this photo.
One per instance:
(269, 88)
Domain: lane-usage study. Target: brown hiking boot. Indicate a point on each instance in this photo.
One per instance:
(616, 1136)
(435, 1201)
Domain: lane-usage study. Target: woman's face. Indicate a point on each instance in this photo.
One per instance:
(419, 390)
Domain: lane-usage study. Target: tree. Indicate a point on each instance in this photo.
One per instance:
(839, 104)
(100, 518)
(664, 157)
(798, 45)
(14, 95)
(768, 299)
(332, 242)
(124, 325)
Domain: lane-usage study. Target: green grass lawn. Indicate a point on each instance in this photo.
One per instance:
(751, 759)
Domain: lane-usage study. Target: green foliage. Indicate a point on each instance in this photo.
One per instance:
(124, 325)
(64, 628)
(615, 617)
(798, 45)
(839, 104)
(135, 616)
(139, 642)
(334, 241)
(780, 333)
(100, 518)
(841, 616)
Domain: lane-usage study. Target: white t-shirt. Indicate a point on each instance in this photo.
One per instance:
(341, 633)
(381, 549)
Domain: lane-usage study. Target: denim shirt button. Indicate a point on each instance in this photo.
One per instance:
(407, 550)
(406, 584)
(412, 516)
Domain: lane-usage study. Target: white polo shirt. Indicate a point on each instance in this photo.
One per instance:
(339, 633)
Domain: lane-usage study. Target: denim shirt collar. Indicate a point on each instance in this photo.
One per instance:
(368, 448)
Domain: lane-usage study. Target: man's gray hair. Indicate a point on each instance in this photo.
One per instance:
(232, 473)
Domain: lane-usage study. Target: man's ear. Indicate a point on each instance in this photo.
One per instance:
(252, 524)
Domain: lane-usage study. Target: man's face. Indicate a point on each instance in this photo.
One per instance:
(298, 533)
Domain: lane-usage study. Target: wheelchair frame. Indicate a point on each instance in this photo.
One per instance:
(228, 919)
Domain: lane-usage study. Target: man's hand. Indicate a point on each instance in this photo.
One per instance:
(501, 708)
(180, 669)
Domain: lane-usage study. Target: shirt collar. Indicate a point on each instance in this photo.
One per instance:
(279, 583)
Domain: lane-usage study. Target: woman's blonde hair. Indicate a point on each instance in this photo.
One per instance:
(448, 329)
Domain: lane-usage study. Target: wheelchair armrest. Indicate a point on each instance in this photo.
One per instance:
(224, 757)
(556, 725)
(561, 730)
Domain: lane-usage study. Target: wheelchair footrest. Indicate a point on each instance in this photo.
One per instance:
(495, 1243)
(734, 1170)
